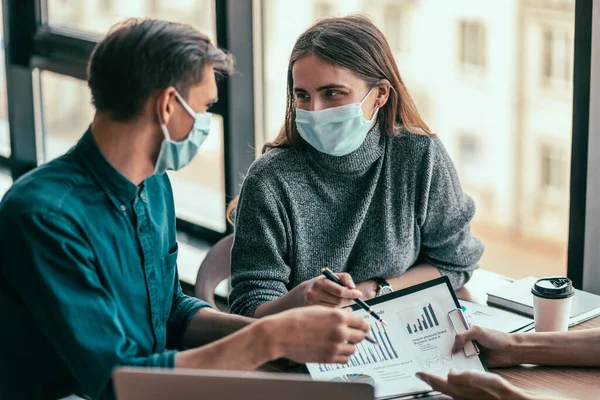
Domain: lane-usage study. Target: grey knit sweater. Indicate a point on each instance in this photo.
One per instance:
(393, 203)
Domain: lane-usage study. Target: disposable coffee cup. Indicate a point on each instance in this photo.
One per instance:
(552, 299)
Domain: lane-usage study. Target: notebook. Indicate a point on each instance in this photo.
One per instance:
(495, 318)
(517, 297)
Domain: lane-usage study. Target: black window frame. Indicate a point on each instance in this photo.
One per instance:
(31, 44)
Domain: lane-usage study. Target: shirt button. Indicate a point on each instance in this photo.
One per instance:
(143, 197)
(123, 208)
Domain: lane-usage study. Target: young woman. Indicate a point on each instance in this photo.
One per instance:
(355, 181)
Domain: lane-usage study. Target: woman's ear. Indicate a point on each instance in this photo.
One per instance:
(383, 92)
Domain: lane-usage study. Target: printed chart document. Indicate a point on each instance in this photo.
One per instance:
(419, 337)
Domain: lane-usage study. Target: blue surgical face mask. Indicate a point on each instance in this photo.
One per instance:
(176, 155)
(335, 131)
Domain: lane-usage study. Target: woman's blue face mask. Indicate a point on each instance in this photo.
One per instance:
(336, 131)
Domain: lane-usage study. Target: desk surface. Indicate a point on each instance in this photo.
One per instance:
(572, 383)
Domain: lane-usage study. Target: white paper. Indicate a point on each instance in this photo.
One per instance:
(419, 338)
(494, 318)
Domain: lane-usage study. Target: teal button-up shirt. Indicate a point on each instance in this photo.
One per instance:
(88, 277)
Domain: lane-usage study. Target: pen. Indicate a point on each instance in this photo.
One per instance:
(331, 276)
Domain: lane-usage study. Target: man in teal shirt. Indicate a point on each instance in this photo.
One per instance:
(88, 273)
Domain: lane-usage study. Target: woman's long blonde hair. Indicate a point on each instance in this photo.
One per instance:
(354, 43)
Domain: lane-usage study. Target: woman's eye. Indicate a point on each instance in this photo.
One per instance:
(302, 96)
(331, 93)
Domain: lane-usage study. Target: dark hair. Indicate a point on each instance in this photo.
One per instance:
(140, 56)
(355, 43)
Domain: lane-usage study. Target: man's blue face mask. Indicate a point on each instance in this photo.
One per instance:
(176, 155)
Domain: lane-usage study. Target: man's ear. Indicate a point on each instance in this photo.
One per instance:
(165, 103)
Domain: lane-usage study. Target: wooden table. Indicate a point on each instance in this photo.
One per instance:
(571, 383)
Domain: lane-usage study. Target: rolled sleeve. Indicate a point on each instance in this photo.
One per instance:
(183, 310)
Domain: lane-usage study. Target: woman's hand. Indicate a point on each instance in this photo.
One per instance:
(496, 347)
(474, 385)
(321, 291)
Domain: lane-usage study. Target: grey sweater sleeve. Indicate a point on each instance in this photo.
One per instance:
(259, 271)
(444, 218)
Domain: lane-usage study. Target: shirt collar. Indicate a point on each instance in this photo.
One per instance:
(119, 189)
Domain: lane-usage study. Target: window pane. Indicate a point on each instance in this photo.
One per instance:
(4, 133)
(97, 16)
(5, 181)
(66, 113)
(198, 188)
(506, 108)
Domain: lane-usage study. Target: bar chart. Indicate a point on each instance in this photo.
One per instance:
(368, 353)
(427, 321)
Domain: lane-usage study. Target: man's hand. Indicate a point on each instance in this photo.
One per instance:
(316, 334)
(474, 385)
(321, 291)
(496, 347)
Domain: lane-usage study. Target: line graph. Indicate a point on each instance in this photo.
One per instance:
(438, 359)
(368, 353)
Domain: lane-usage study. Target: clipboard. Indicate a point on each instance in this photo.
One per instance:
(418, 316)
(457, 318)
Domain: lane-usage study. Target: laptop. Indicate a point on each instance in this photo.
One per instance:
(183, 384)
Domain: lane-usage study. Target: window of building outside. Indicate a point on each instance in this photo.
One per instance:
(554, 165)
(472, 44)
(520, 238)
(323, 9)
(557, 57)
(4, 132)
(396, 29)
(470, 159)
(199, 188)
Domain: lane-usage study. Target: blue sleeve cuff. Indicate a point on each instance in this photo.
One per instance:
(182, 311)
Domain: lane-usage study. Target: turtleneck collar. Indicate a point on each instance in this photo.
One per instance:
(354, 163)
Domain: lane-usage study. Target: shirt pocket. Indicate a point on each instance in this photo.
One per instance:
(168, 269)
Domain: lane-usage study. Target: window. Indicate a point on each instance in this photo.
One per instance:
(469, 152)
(199, 188)
(553, 169)
(470, 161)
(472, 44)
(106, 6)
(66, 113)
(83, 16)
(498, 162)
(396, 29)
(5, 182)
(556, 57)
(4, 133)
(323, 9)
